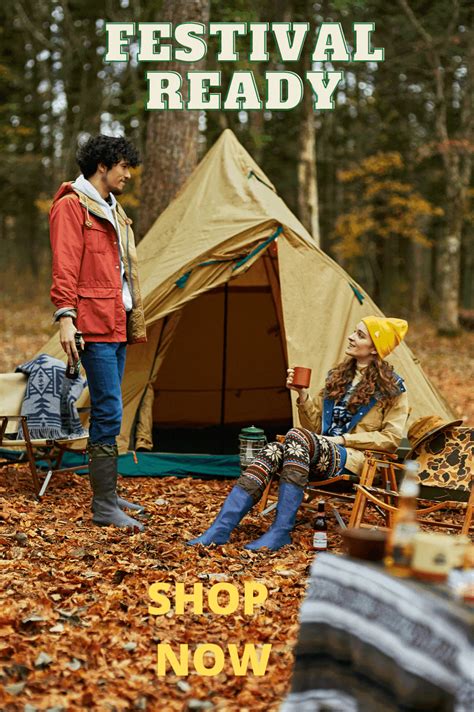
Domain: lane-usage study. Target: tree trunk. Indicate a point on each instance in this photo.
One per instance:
(416, 281)
(171, 152)
(307, 182)
(449, 267)
(467, 270)
(457, 165)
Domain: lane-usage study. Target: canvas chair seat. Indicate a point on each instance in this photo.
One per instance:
(74, 443)
(31, 451)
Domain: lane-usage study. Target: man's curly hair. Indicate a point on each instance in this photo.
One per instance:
(108, 150)
(378, 379)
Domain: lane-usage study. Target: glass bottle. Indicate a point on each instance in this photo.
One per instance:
(401, 537)
(320, 535)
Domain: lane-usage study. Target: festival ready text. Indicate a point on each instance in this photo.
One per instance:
(284, 89)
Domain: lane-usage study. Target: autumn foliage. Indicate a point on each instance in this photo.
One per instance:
(379, 206)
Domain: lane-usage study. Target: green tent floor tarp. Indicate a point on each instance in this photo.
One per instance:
(156, 464)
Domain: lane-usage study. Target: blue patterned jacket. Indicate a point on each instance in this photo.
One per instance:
(373, 426)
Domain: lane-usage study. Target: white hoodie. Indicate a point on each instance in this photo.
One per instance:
(88, 189)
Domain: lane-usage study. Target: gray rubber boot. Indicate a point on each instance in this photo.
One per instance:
(112, 450)
(103, 479)
(138, 508)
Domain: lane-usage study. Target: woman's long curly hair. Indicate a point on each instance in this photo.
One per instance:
(378, 378)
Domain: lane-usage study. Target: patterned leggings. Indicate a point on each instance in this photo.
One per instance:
(302, 453)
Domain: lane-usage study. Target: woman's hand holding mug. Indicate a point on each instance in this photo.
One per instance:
(303, 392)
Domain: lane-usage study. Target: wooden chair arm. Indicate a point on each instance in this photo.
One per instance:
(380, 455)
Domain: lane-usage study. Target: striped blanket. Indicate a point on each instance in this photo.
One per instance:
(50, 399)
(370, 642)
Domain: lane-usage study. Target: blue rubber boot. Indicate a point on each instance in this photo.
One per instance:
(235, 507)
(289, 499)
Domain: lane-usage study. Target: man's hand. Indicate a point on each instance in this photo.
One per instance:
(67, 331)
(303, 393)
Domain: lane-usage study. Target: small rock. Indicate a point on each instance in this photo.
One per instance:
(15, 688)
(161, 501)
(74, 665)
(183, 686)
(43, 660)
(130, 646)
(21, 537)
(140, 704)
(29, 708)
(194, 704)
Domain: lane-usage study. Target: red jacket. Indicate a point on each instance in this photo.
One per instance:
(87, 269)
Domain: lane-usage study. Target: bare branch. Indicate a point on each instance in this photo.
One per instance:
(427, 38)
(37, 34)
(454, 20)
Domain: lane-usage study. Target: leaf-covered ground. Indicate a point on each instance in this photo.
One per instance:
(75, 630)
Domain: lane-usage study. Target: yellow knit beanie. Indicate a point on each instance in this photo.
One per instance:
(386, 333)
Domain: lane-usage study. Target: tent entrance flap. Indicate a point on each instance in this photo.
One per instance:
(225, 368)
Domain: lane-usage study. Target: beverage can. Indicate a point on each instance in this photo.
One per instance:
(73, 370)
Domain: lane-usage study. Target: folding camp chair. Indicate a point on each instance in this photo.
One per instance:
(387, 500)
(28, 450)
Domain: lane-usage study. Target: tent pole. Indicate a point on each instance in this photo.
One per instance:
(224, 354)
(274, 281)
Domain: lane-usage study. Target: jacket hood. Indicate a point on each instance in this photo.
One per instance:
(82, 185)
(89, 198)
(63, 189)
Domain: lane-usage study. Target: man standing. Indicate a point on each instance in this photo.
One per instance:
(95, 290)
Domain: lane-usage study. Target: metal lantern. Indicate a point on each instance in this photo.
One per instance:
(251, 440)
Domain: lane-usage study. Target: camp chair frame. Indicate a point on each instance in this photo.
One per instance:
(366, 493)
(51, 450)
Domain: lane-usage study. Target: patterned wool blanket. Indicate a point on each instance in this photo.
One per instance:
(50, 399)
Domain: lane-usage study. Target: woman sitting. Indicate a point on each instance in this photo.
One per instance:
(363, 406)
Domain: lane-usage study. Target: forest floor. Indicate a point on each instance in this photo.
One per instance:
(76, 632)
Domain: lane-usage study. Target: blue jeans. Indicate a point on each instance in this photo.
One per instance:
(104, 365)
(343, 454)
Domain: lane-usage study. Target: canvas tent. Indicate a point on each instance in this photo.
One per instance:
(234, 288)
